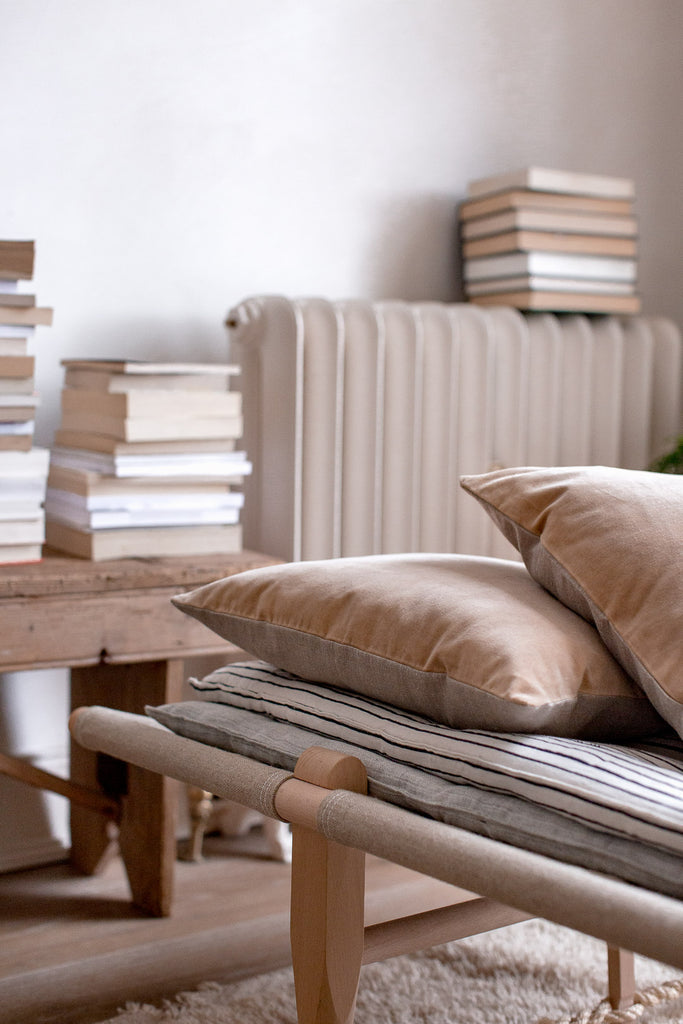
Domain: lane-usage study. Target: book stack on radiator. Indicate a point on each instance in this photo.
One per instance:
(146, 461)
(23, 467)
(540, 239)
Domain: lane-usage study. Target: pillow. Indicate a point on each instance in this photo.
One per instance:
(607, 543)
(471, 642)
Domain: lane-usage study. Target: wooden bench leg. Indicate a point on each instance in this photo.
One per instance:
(146, 835)
(621, 979)
(327, 909)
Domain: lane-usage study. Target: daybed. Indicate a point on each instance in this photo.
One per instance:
(520, 726)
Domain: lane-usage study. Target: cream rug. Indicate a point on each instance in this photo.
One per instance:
(519, 975)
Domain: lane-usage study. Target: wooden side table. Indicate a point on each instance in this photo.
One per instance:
(113, 625)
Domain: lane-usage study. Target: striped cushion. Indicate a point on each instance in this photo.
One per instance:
(633, 791)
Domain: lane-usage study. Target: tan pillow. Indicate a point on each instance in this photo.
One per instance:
(471, 642)
(607, 542)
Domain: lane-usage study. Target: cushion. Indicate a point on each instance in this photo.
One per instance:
(617, 809)
(470, 642)
(607, 543)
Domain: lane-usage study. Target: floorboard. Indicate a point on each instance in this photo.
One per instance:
(73, 949)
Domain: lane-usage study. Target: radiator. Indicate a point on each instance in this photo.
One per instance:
(360, 417)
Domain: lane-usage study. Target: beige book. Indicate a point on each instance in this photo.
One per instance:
(31, 316)
(87, 441)
(526, 199)
(154, 428)
(148, 404)
(550, 220)
(141, 542)
(550, 241)
(562, 302)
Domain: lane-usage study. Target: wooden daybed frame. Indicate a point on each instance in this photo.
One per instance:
(334, 824)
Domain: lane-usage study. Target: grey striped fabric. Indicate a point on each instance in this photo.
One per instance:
(633, 790)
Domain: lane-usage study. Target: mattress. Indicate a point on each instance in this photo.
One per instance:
(613, 808)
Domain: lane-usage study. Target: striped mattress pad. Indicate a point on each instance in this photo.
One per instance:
(616, 808)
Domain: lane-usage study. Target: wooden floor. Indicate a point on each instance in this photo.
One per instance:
(73, 950)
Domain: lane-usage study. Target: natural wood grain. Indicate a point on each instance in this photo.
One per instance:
(147, 826)
(59, 574)
(327, 906)
(65, 612)
(621, 977)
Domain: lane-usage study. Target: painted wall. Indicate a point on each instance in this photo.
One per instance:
(170, 159)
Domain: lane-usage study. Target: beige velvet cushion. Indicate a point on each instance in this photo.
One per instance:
(607, 543)
(471, 642)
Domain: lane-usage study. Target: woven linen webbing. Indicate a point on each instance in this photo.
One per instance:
(145, 743)
(621, 914)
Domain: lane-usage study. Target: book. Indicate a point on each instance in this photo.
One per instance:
(100, 490)
(223, 465)
(21, 299)
(16, 365)
(16, 330)
(140, 366)
(31, 316)
(562, 302)
(77, 439)
(11, 554)
(148, 404)
(34, 463)
(526, 282)
(18, 407)
(16, 386)
(15, 442)
(107, 381)
(154, 428)
(16, 260)
(545, 179)
(107, 519)
(549, 241)
(145, 499)
(145, 542)
(23, 531)
(549, 220)
(526, 199)
(11, 346)
(552, 264)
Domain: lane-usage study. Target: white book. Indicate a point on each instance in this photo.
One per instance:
(33, 463)
(544, 179)
(551, 264)
(11, 554)
(20, 400)
(16, 508)
(22, 531)
(537, 282)
(118, 518)
(13, 346)
(221, 465)
(16, 330)
(145, 501)
(21, 427)
(8, 287)
(15, 386)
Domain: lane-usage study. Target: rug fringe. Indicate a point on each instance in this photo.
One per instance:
(603, 1013)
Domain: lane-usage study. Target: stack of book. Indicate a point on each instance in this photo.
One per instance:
(145, 461)
(539, 239)
(23, 468)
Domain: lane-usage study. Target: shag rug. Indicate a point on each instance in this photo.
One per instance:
(524, 974)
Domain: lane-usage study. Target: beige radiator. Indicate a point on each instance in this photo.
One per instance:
(360, 417)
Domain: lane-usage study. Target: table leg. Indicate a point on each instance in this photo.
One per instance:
(146, 838)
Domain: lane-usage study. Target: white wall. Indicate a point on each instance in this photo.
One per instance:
(172, 158)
